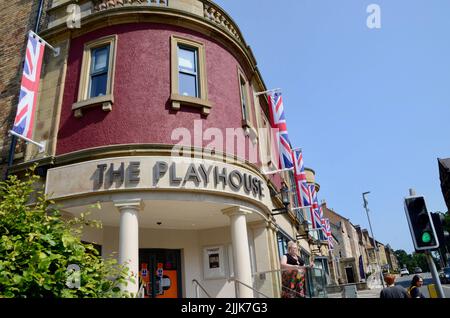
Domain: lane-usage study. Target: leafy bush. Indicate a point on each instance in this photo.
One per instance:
(37, 246)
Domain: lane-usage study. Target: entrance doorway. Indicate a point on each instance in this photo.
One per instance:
(349, 273)
(160, 272)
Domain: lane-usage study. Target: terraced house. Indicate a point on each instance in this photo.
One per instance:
(128, 111)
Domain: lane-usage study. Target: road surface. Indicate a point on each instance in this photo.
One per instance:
(405, 281)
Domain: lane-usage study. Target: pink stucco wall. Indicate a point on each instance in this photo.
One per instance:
(141, 111)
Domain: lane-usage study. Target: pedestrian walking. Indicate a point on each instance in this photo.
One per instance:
(393, 291)
(414, 289)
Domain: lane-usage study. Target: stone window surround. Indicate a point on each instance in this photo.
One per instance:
(176, 99)
(107, 100)
(246, 122)
(246, 118)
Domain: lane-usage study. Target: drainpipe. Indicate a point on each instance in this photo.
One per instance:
(12, 147)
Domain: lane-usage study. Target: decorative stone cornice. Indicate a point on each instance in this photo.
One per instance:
(219, 17)
(100, 5)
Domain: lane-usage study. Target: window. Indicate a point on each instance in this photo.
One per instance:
(293, 188)
(282, 244)
(97, 75)
(268, 154)
(245, 104)
(188, 70)
(304, 255)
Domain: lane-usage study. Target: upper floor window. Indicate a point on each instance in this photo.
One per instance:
(244, 99)
(294, 197)
(97, 75)
(188, 71)
(246, 105)
(188, 74)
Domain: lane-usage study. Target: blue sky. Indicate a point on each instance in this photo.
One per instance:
(369, 107)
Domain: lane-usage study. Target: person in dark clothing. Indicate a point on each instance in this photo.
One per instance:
(414, 289)
(293, 273)
(393, 291)
(291, 260)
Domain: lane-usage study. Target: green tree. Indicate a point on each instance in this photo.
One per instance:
(420, 260)
(37, 246)
(404, 259)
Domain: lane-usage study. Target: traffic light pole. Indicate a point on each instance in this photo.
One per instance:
(435, 274)
(431, 264)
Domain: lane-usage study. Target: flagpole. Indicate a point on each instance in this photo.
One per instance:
(302, 207)
(275, 171)
(55, 50)
(41, 146)
(269, 91)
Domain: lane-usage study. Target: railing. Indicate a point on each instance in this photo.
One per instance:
(317, 283)
(205, 9)
(236, 286)
(219, 17)
(141, 291)
(100, 5)
(211, 12)
(313, 283)
(197, 287)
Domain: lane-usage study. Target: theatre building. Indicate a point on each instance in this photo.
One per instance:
(149, 111)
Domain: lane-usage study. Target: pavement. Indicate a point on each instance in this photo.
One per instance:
(402, 281)
(369, 293)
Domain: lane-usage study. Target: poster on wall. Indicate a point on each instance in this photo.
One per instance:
(213, 262)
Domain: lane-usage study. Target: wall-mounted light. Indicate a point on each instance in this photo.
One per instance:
(284, 193)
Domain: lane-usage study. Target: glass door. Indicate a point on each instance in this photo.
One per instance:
(160, 272)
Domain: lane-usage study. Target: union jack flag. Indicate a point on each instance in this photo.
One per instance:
(278, 122)
(23, 123)
(316, 218)
(303, 194)
(328, 235)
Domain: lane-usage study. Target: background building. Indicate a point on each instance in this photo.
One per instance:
(354, 258)
(16, 18)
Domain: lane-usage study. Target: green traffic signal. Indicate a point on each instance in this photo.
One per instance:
(420, 224)
(426, 237)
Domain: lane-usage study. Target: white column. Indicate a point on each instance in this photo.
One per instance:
(129, 239)
(241, 252)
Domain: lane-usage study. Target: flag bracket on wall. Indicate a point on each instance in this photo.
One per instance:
(268, 91)
(56, 50)
(40, 145)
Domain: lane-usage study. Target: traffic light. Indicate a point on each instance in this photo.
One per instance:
(420, 224)
(438, 222)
